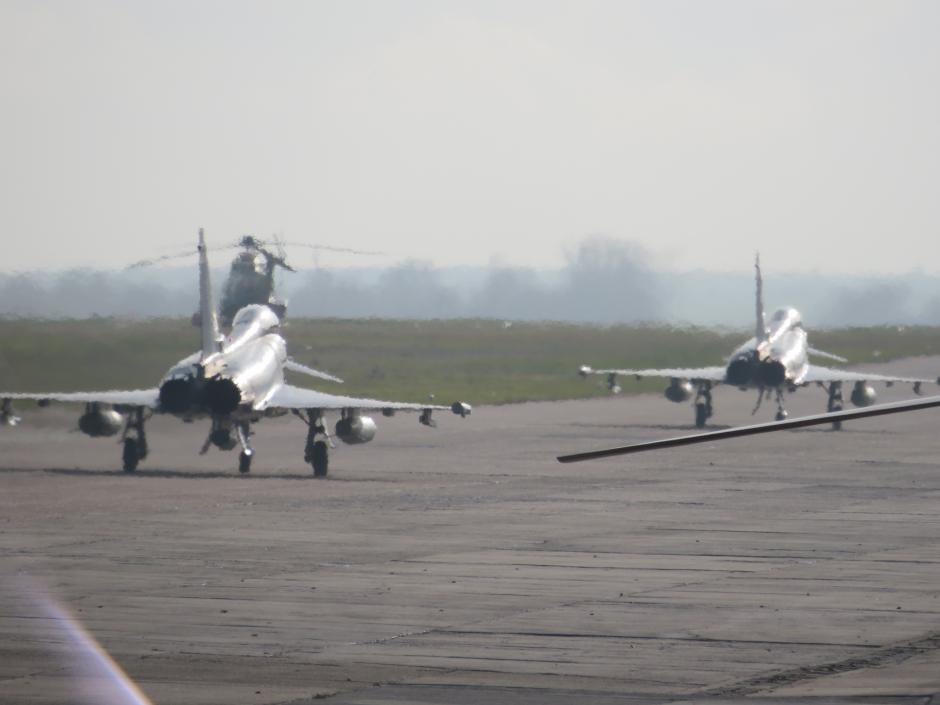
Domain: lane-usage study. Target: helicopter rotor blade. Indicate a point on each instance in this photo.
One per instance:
(156, 260)
(178, 255)
(331, 248)
(279, 246)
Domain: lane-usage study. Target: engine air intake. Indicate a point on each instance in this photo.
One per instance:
(222, 396)
(740, 371)
(177, 396)
(771, 373)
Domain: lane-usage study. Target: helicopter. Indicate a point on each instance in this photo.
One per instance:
(251, 275)
(251, 279)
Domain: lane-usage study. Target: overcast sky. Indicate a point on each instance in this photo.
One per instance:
(475, 132)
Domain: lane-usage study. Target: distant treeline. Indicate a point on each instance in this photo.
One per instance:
(604, 281)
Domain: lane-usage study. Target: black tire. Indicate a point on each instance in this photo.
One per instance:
(244, 462)
(320, 459)
(701, 415)
(130, 455)
(837, 425)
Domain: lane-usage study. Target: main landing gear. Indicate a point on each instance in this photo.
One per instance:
(316, 451)
(134, 440)
(703, 404)
(835, 402)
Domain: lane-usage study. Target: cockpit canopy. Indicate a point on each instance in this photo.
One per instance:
(784, 319)
(787, 313)
(251, 322)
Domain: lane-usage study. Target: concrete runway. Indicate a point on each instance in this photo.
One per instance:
(465, 565)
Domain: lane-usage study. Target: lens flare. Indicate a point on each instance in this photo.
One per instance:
(98, 679)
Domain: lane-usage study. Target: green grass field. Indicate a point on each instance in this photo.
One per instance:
(479, 361)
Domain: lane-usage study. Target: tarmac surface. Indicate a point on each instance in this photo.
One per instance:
(465, 565)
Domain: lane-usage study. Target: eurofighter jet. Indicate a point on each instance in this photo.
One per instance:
(235, 381)
(774, 361)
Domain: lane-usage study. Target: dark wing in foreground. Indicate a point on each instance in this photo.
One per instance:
(879, 410)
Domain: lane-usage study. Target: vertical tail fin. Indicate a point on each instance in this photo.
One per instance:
(209, 321)
(760, 329)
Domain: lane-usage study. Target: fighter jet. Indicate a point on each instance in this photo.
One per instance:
(235, 381)
(774, 361)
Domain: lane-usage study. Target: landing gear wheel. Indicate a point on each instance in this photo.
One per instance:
(244, 462)
(836, 425)
(320, 459)
(130, 455)
(701, 415)
(782, 415)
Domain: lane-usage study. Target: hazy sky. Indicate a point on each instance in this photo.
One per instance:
(470, 132)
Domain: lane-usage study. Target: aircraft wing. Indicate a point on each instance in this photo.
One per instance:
(291, 397)
(818, 373)
(708, 436)
(712, 374)
(134, 397)
(295, 366)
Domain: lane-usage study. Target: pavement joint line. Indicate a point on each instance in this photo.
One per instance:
(634, 637)
(896, 653)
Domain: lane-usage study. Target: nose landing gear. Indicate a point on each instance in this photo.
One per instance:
(781, 411)
(243, 431)
(225, 434)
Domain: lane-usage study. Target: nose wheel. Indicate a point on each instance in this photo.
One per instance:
(243, 432)
(781, 412)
